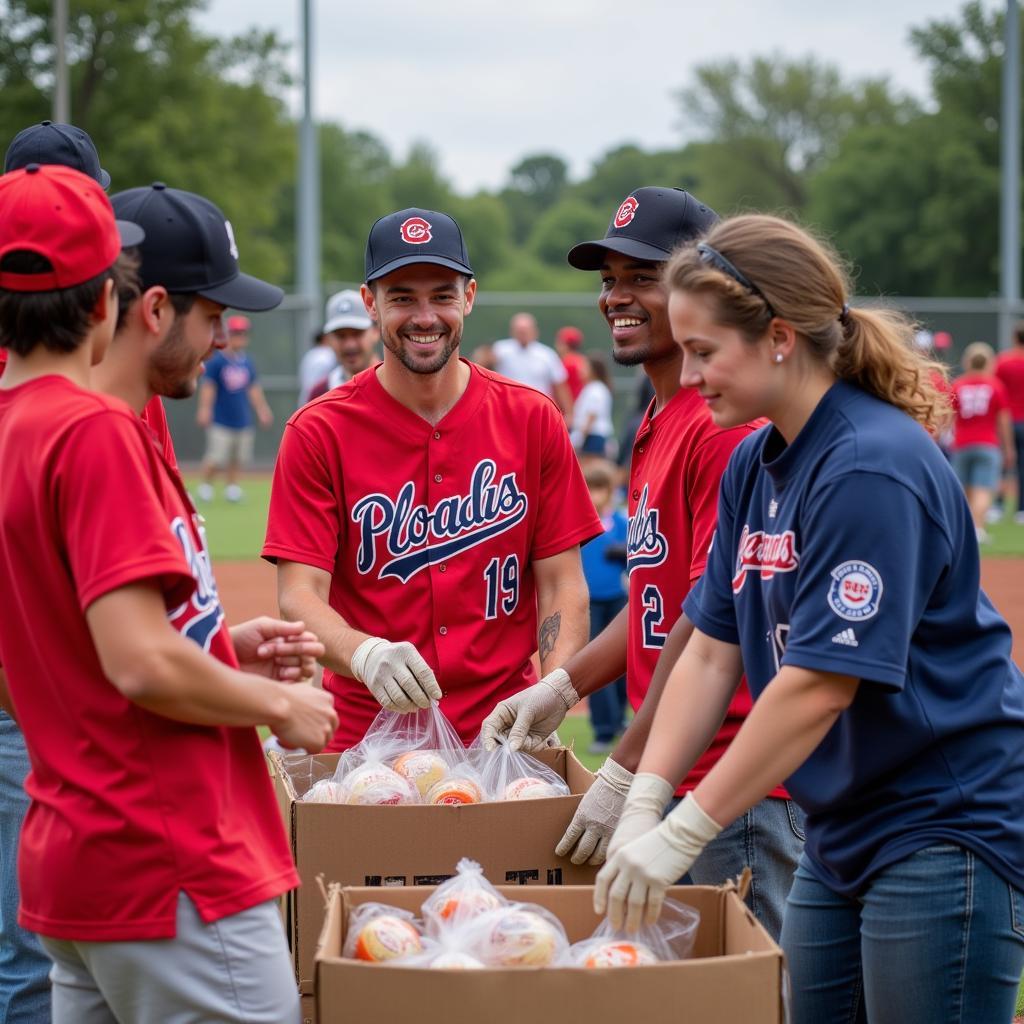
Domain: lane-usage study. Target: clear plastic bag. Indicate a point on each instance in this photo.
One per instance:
(516, 935)
(670, 938)
(307, 775)
(466, 895)
(378, 933)
(509, 774)
(406, 758)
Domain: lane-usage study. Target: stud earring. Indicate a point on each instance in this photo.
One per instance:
(778, 357)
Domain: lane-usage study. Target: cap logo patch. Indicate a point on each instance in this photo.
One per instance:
(415, 231)
(626, 212)
(232, 244)
(855, 591)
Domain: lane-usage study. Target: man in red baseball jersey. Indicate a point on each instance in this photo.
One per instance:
(150, 857)
(1010, 370)
(428, 513)
(677, 463)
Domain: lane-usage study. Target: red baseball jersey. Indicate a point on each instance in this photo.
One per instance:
(128, 807)
(430, 532)
(977, 399)
(1010, 370)
(154, 416)
(678, 460)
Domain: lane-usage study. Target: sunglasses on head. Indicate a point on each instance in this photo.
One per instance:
(715, 259)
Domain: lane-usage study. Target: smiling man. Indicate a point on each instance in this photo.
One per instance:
(677, 462)
(427, 515)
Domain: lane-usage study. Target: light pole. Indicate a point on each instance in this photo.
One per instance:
(307, 271)
(61, 91)
(1009, 219)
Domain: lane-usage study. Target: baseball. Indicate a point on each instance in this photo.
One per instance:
(620, 954)
(326, 791)
(528, 788)
(423, 768)
(520, 938)
(457, 962)
(455, 791)
(387, 938)
(376, 784)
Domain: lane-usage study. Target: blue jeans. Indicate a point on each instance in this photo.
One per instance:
(768, 839)
(24, 967)
(936, 937)
(607, 706)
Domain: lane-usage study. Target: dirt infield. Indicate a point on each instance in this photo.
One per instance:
(247, 589)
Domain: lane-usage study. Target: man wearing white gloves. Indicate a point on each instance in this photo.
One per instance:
(427, 514)
(677, 461)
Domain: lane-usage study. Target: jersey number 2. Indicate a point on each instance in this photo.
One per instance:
(654, 613)
(502, 580)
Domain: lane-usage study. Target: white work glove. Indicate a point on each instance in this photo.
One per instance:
(595, 819)
(631, 886)
(395, 674)
(646, 801)
(526, 719)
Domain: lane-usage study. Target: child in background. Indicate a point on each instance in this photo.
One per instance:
(604, 563)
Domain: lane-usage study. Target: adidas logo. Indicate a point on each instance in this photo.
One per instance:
(845, 637)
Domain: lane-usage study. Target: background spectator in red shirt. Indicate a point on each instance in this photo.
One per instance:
(981, 427)
(568, 342)
(1010, 370)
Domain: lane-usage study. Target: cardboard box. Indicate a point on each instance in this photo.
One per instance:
(514, 842)
(736, 973)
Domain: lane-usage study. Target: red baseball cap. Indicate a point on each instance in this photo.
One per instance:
(571, 336)
(64, 216)
(238, 324)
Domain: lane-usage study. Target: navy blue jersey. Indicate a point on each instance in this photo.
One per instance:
(853, 551)
(232, 373)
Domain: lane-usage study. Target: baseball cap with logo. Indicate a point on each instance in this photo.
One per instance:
(346, 309)
(190, 248)
(65, 217)
(415, 236)
(54, 143)
(648, 225)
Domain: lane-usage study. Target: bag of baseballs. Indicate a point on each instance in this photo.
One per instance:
(463, 897)
(670, 938)
(378, 933)
(512, 775)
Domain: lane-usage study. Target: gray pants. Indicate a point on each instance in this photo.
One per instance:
(234, 970)
(768, 839)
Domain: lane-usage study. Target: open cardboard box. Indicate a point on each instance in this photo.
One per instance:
(513, 841)
(735, 974)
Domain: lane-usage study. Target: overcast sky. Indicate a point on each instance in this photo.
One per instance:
(488, 82)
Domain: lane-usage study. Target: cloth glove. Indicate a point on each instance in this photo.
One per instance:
(395, 674)
(631, 886)
(595, 819)
(645, 804)
(526, 719)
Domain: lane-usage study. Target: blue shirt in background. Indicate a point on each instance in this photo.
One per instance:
(232, 374)
(852, 550)
(604, 575)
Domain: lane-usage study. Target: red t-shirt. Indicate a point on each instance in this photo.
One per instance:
(128, 807)
(430, 532)
(1010, 370)
(574, 363)
(156, 419)
(977, 399)
(677, 464)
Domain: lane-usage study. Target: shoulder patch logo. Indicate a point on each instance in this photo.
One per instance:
(415, 231)
(626, 212)
(855, 591)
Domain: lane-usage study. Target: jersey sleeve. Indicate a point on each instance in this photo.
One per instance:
(704, 473)
(709, 604)
(871, 557)
(302, 524)
(114, 528)
(565, 515)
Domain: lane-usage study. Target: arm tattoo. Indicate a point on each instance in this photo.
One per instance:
(549, 634)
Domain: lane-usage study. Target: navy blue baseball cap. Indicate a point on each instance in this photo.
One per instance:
(54, 143)
(648, 225)
(190, 248)
(415, 236)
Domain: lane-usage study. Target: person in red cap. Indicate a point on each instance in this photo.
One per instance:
(568, 342)
(151, 856)
(228, 396)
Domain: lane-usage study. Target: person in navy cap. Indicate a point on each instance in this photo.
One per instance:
(426, 516)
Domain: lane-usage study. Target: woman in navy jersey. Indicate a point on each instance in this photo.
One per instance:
(844, 579)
